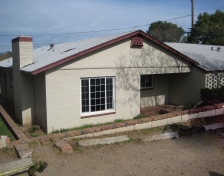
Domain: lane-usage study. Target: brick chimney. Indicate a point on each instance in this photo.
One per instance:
(22, 51)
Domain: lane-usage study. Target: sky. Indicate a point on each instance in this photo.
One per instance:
(58, 21)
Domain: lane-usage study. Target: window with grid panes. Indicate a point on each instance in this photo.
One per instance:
(97, 94)
(146, 81)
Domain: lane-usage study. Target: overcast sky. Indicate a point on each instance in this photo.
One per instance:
(43, 18)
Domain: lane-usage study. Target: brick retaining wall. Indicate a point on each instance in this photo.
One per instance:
(136, 124)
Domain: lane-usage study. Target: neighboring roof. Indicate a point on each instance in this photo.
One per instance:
(45, 59)
(207, 59)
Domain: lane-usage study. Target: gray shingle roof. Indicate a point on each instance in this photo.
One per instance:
(209, 60)
(43, 56)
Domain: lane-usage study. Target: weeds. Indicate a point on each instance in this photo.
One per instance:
(4, 130)
(69, 129)
(31, 130)
(171, 128)
(33, 144)
(6, 150)
(187, 106)
(85, 126)
(151, 130)
(139, 116)
(78, 149)
(118, 120)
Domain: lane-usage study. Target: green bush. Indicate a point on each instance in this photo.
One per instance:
(211, 94)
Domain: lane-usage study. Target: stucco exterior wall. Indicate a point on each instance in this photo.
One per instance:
(159, 94)
(23, 82)
(185, 88)
(64, 103)
(6, 73)
(150, 59)
(27, 100)
(40, 101)
(17, 82)
(120, 61)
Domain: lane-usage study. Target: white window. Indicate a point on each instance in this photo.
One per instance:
(97, 94)
(146, 81)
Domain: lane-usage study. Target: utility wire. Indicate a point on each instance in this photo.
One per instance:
(82, 32)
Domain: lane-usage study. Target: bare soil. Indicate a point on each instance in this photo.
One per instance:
(199, 154)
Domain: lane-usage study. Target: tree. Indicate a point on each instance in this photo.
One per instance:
(6, 55)
(208, 29)
(165, 31)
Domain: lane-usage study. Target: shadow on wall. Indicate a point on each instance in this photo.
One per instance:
(153, 100)
(138, 62)
(215, 174)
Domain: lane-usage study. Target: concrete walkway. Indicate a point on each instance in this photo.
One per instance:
(100, 141)
(13, 166)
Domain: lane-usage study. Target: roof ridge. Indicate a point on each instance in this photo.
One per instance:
(82, 40)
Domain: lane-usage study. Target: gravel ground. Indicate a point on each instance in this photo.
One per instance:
(199, 154)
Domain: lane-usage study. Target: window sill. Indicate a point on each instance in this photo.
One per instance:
(150, 88)
(97, 114)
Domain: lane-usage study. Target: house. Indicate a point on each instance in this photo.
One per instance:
(102, 79)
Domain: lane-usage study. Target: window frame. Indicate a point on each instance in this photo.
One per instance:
(100, 112)
(149, 87)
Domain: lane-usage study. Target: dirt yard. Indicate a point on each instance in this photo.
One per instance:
(199, 154)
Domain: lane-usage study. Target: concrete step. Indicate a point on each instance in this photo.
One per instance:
(214, 126)
(109, 140)
(23, 150)
(163, 136)
(17, 166)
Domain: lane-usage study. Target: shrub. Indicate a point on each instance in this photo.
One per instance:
(210, 94)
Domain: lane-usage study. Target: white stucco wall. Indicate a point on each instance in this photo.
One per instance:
(23, 83)
(27, 100)
(150, 59)
(159, 94)
(64, 105)
(17, 82)
(8, 73)
(185, 88)
(122, 62)
(40, 101)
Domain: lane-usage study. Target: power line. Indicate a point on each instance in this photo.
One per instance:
(179, 17)
(102, 30)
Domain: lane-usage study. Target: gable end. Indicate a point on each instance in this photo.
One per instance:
(137, 41)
